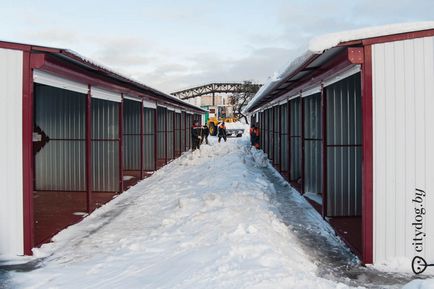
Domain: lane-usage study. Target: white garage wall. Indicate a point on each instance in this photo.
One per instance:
(11, 171)
(403, 103)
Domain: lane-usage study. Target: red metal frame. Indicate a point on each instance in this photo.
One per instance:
(367, 157)
(288, 128)
(302, 144)
(165, 136)
(174, 134)
(142, 120)
(120, 148)
(280, 137)
(77, 72)
(324, 151)
(28, 159)
(271, 135)
(89, 150)
(156, 136)
(99, 78)
(398, 37)
(279, 125)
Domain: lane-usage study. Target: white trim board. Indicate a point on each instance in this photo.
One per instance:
(149, 104)
(49, 79)
(105, 94)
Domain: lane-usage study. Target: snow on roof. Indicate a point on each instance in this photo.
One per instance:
(319, 44)
(69, 53)
(128, 78)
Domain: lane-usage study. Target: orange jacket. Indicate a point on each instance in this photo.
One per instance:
(254, 130)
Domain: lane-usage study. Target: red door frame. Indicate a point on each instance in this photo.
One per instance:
(120, 149)
(142, 120)
(28, 160)
(288, 130)
(367, 157)
(302, 144)
(89, 149)
(156, 136)
(165, 135)
(324, 151)
(279, 123)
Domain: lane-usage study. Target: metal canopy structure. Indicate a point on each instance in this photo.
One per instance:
(213, 88)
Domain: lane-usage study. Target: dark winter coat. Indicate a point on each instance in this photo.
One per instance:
(195, 132)
(205, 130)
(222, 131)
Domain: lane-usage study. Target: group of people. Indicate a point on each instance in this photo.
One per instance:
(199, 134)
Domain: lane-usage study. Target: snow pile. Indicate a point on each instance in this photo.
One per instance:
(319, 44)
(420, 284)
(203, 221)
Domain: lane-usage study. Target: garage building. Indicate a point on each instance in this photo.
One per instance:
(75, 135)
(349, 124)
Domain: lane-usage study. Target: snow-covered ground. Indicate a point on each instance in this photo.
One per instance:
(210, 219)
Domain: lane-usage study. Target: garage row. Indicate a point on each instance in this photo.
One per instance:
(347, 124)
(315, 140)
(78, 134)
(129, 139)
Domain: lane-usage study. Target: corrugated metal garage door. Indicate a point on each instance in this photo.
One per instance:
(312, 144)
(148, 139)
(344, 147)
(284, 138)
(60, 162)
(131, 134)
(105, 145)
(295, 138)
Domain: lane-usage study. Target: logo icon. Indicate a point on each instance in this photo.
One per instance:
(419, 265)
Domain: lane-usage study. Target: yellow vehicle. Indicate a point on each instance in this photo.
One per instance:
(222, 113)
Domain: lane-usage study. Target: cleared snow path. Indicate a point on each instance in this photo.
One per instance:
(210, 219)
(333, 259)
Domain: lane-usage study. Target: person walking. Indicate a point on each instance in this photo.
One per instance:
(205, 134)
(195, 136)
(222, 131)
(254, 136)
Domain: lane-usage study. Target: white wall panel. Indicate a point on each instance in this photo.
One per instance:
(105, 94)
(11, 171)
(403, 103)
(49, 79)
(149, 104)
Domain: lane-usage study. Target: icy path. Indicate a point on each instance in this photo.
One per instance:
(208, 220)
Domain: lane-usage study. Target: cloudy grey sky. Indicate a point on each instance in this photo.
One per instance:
(172, 45)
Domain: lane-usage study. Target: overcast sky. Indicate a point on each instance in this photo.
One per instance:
(172, 45)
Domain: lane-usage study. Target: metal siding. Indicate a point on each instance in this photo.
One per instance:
(131, 134)
(60, 164)
(161, 132)
(344, 151)
(148, 139)
(266, 132)
(313, 144)
(271, 134)
(189, 122)
(261, 129)
(178, 134)
(183, 132)
(11, 149)
(403, 105)
(276, 135)
(295, 138)
(284, 137)
(170, 135)
(105, 145)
